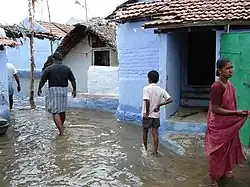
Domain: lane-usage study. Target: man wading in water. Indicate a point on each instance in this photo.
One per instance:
(12, 72)
(57, 75)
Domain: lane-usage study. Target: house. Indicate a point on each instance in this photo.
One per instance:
(20, 57)
(91, 44)
(4, 97)
(182, 39)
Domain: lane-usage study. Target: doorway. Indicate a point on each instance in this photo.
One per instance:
(201, 58)
(191, 58)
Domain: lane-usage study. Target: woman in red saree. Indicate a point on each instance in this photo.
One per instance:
(222, 142)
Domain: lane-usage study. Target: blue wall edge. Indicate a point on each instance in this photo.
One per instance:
(98, 103)
(133, 115)
(25, 73)
(105, 104)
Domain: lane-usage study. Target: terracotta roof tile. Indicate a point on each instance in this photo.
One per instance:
(59, 30)
(183, 11)
(8, 42)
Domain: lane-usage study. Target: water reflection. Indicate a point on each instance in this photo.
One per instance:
(95, 151)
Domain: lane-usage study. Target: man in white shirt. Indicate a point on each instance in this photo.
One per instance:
(153, 98)
(12, 73)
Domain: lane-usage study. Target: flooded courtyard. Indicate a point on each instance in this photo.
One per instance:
(95, 151)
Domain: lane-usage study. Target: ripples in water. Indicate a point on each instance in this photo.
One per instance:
(95, 151)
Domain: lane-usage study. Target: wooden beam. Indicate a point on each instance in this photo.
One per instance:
(201, 29)
(197, 24)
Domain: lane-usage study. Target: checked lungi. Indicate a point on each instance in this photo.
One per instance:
(57, 99)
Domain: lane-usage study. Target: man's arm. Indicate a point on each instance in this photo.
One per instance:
(147, 102)
(43, 80)
(167, 99)
(18, 82)
(72, 79)
(16, 78)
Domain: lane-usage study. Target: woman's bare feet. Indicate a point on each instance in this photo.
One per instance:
(214, 184)
(229, 174)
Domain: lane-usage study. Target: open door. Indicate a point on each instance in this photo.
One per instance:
(173, 71)
(235, 46)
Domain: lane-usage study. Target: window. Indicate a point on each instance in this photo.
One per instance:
(101, 58)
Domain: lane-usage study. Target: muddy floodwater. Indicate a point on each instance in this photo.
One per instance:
(96, 151)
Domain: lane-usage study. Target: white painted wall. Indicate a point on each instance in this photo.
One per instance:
(113, 58)
(80, 58)
(4, 96)
(103, 80)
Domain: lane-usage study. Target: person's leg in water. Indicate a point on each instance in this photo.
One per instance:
(63, 117)
(58, 122)
(155, 134)
(11, 101)
(145, 138)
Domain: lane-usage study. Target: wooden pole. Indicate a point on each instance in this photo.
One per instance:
(32, 60)
(86, 11)
(50, 30)
(85, 7)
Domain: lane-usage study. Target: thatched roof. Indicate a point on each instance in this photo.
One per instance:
(95, 27)
(106, 32)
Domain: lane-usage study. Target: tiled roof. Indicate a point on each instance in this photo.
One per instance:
(59, 30)
(8, 42)
(135, 10)
(167, 12)
(111, 16)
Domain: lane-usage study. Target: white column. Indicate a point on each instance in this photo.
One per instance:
(4, 98)
(218, 40)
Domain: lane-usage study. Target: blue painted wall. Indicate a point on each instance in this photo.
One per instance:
(20, 56)
(175, 54)
(138, 53)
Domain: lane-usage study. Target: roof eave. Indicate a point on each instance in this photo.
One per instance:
(167, 26)
(118, 7)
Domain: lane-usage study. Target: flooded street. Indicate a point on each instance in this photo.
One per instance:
(95, 151)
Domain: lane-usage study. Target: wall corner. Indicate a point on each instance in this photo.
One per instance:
(163, 68)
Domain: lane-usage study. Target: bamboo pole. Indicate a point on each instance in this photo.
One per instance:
(50, 30)
(32, 60)
(86, 11)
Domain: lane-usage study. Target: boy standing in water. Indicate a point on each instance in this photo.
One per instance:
(153, 98)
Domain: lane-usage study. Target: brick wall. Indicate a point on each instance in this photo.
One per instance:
(138, 53)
